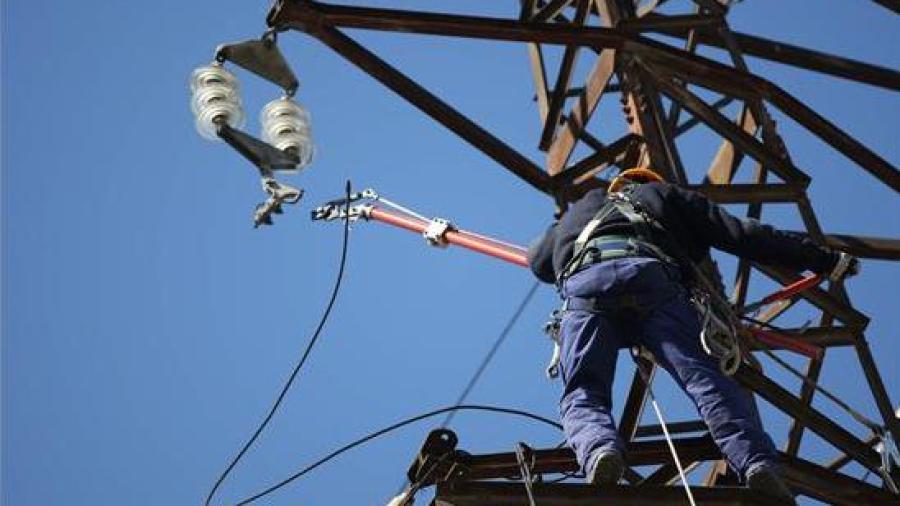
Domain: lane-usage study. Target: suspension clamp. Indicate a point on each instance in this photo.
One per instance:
(435, 232)
(279, 194)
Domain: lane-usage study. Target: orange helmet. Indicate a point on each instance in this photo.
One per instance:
(636, 175)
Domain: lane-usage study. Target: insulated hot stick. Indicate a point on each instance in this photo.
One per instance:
(777, 339)
(786, 292)
(451, 236)
(441, 233)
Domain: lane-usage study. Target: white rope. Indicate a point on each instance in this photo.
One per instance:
(398, 207)
(636, 353)
(509, 245)
(665, 428)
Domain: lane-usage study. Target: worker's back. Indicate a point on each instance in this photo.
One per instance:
(692, 225)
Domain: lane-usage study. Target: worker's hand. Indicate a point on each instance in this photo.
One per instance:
(847, 266)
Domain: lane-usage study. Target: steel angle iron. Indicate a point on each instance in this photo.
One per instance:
(286, 145)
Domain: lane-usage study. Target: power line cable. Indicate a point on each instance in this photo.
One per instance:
(493, 351)
(306, 352)
(484, 363)
(391, 428)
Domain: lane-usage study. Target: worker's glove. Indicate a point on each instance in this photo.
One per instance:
(847, 266)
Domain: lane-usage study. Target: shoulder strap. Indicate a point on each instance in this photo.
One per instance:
(648, 229)
(592, 225)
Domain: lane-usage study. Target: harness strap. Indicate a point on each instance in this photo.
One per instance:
(643, 239)
(589, 229)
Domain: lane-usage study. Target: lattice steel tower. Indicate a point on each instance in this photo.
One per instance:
(664, 91)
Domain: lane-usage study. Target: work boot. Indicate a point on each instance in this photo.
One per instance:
(768, 480)
(608, 468)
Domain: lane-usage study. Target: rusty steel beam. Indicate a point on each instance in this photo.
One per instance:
(726, 128)
(539, 75)
(813, 369)
(689, 124)
(642, 106)
(433, 106)
(607, 155)
(550, 11)
(756, 87)
(843, 459)
(563, 81)
(727, 160)
(636, 400)
(580, 113)
(893, 5)
(879, 393)
(754, 211)
(865, 247)
(569, 494)
(309, 16)
(831, 487)
(810, 417)
(789, 54)
(679, 23)
(673, 427)
(562, 460)
(746, 193)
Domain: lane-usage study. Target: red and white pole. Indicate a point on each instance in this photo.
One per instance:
(512, 254)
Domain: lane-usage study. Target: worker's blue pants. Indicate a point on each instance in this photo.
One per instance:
(656, 313)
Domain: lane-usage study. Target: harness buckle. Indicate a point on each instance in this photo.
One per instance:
(552, 329)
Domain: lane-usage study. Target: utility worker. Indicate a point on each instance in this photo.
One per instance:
(618, 258)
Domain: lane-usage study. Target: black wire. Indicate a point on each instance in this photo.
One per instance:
(408, 421)
(306, 352)
(761, 323)
(484, 363)
(490, 355)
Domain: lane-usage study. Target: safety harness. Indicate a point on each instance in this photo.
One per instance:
(718, 336)
(589, 250)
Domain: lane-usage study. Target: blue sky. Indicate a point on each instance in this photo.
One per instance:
(146, 327)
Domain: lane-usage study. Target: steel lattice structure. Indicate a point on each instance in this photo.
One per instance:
(658, 85)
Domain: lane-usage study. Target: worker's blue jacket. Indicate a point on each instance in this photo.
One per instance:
(692, 220)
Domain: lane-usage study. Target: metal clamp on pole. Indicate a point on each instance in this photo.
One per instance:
(434, 234)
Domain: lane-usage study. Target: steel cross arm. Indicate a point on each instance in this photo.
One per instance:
(746, 86)
(431, 105)
(810, 417)
(807, 478)
(781, 52)
(579, 494)
(727, 129)
(830, 486)
(865, 247)
(748, 193)
(313, 17)
(562, 460)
